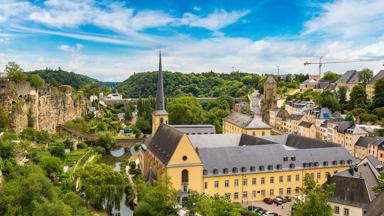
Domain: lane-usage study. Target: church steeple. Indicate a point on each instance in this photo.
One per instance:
(160, 88)
(160, 115)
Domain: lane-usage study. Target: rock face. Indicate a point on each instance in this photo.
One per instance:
(42, 109)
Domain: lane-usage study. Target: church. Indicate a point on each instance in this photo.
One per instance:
(242, 167)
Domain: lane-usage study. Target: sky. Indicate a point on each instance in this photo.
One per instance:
(112, 39)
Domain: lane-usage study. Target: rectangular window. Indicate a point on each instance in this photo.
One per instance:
(262, 181)
(226, 183)
(289, 191)
(281, 191)
(216, 184)
(245, 195)
(253, 181)
(245, 182)
(253, 194)
(297, 177)
(346, 212)
(271, 180)
(271, 192)
(288, 178)
(205, 185)
(236, 182)
(337, 210)
(236, 195)
(297, 190)
(262, 192)
(281, 179)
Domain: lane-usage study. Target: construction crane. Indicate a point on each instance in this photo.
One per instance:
(321, 63)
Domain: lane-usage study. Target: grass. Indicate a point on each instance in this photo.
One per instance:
(74, 156)
(125, 137)
(110, 160)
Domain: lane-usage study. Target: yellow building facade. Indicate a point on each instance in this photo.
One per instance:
(239, 123)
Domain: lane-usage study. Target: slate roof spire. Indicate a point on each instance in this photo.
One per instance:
(160, 88)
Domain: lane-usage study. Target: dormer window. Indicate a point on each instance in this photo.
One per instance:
(261, 168)
(285, 158)
(291, 166)
(349, 161)
(293, 158)
(334, 163)
(235, 170)
(316, 164)
(305, 165)
(215, 171)
(270, 167)
(225, 170)
(252, 169)
(325, 163)
(342, 162)
(279, 167)
(243, 169)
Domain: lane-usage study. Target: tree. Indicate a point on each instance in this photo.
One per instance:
(185, 110)
(157, 198)
(328, 99)
(36, 81)
(3, 119)
(331, 76)
(350, 117)
(106, 140)
(57, 149)
(358, 97)
(52, 166)
(143, 125)
(365, 75)
(7, 150)
(103, 186)
(15, 72)
(380, 186)
(57, 208)
(342, 94)
(378, 100)
(315, 199)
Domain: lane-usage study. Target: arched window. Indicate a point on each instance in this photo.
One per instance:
(184, 176)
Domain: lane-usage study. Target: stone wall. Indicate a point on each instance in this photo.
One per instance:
(43, 109)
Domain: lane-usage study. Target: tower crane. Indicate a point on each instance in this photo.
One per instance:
(321, 63)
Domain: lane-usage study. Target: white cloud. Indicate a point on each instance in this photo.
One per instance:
(348, 18)
(196, 8)
(214, 21)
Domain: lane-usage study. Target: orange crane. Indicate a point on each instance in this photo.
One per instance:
(321, 63)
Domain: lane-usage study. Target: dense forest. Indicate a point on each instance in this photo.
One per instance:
(209, 84)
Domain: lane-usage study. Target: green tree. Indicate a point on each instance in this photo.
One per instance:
(358, 97)
(56, 208)
(365, 75)
(157, 198)
(378, 98)
(350, 117)
(106, 140)
(186, 110)
(7, 149)
(380, 186)
(3, 119)
(57, 149)
(15, 72)
(76, 203)
(36, 81)
(315, 200)
(342, 94)
(52, 166)
(143, 124)
(331, 76)
(102, 185)
(328, 99)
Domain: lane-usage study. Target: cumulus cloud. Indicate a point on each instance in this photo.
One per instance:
(348, 18)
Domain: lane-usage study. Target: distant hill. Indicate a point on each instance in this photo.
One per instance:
(61, 77)
(209, 84)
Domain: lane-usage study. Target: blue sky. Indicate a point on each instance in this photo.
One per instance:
(110, 40)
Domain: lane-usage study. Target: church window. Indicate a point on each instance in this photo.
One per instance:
(184, 176)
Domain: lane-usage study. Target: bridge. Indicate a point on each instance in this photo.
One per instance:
(128, 142)
(81, 136)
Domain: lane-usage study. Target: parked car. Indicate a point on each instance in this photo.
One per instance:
(259, 210)
(282, 199)
(278, 201)
(251, 207)
(269, 201)
(270, 214)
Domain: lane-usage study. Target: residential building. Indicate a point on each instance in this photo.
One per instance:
(246, 124)
(354, 188)
(307, 129)
(346, 134)
(370, 87)
(298, 107)
(313, 84)
(291, 124)
(368, 146)
(349, 80)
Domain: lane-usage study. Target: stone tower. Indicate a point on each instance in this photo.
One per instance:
(160, 115)
(269, 99)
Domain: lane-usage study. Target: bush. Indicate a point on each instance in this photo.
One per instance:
(366, 117)
(57, 150)
(82, 145)
(100, 150)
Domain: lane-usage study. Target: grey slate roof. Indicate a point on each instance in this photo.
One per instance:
(265, 155)
(246, 121)
(354, 186)
(377, 76)
(295, 117)
(364, 141)
(376, 207)
(160, 106)
(282, 113)
(343, 126)
(374, 161)
(164, 142)
(349, 77)
(305, 124)
(196, 129)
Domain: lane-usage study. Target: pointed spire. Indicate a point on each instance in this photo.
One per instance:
(160, 88)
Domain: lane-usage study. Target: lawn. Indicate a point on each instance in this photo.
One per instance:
(74, 156)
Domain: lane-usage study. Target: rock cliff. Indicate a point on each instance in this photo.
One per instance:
(41, 109)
